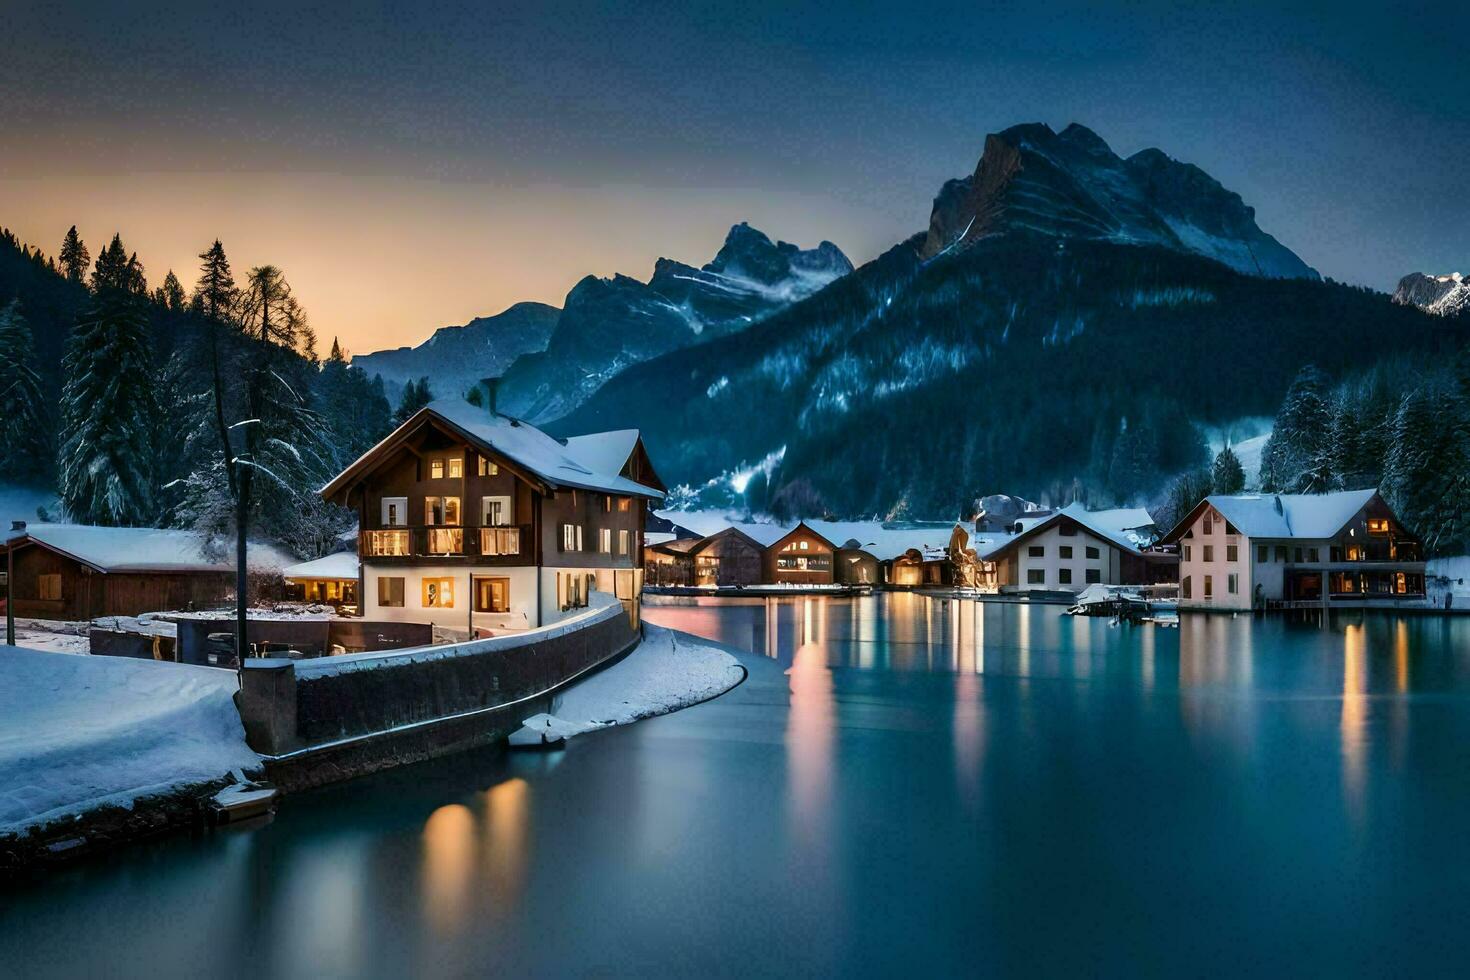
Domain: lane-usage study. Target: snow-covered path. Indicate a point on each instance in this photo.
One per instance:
(669, 670)
(77, 732)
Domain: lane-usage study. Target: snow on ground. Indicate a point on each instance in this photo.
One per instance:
(58, 636)
(80, 732)
(669, 670)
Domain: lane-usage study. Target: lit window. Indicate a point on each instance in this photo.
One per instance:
(1377, 525)
(492, 595)
(436, 469)
(622, 542)
(487, 467)
(456, 467)
(604, 541)
(625, 504)
(438, 593)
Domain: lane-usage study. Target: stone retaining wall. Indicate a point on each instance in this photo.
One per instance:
(319, 721)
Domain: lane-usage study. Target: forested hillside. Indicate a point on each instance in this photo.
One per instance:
(1025, 363)
(157, 406)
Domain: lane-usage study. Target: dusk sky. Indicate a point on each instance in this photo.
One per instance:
(412, 168)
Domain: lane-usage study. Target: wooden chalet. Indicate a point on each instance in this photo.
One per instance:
(79, 572)
(476, 521)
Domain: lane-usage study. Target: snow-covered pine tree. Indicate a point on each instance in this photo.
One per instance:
(1227, 476)
(104, 460)
(25, 432)
(1291, 458)
(1427, 474)
(74, 256)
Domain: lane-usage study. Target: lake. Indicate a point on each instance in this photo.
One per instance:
(903, 785)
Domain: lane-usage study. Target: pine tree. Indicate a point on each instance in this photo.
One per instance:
(270, 314)
(1227, 476)
(170, 295)
(1294, 455)
(116, 269)
(74, 256)
(416, 395)
(1425, 475)
(215, 292)
(104, 460)
(25, 454)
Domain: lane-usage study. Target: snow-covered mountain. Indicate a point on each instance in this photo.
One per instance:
(1072, 185)
(1440, 295)
(455, 358)
(607, 325)
(1067, 317)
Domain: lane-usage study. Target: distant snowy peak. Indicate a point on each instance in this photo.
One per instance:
(1072, 185)
(1440, 295)
(607, 325)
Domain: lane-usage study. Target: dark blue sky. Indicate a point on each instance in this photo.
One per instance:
(1348, 130)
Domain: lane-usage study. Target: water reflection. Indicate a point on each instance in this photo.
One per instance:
(448, 867)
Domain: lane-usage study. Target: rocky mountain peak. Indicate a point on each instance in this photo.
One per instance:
(1442, 295)
(1072, 185)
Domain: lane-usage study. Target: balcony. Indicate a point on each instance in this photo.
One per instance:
(508, 545)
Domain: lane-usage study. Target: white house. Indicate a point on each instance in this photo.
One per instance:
(1075, 547)
(1248, 550)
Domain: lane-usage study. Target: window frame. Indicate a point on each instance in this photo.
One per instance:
(387, 602)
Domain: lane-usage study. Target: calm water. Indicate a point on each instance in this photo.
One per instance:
(903, 786)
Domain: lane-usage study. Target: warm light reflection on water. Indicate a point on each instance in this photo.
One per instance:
(449, 849)
(506, 810)
(1353, 724)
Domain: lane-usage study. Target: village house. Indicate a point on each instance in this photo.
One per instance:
(1251, 550)
(1073, 548)
(476, 521)
(331, 580)
(79, 572)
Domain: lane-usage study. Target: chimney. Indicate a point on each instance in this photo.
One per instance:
(490, 385)
(17, 525)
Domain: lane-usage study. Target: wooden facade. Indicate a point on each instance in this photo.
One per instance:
(456, 530)
(48, 584)
(802, 557)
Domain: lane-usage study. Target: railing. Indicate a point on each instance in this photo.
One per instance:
(493, 545)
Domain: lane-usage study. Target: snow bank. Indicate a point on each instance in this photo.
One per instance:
(669, 670)
(78, 732)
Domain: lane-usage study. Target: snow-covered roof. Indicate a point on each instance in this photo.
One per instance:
(882, 540)
(658, 537)
(1118, 526)
(145, 549)
(341, 565)
(603, 452)
(1291, 515)
(583, 466)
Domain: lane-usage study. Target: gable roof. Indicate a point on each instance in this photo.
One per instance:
(558, 465)
(1113, 526)
(143, 549)
(340, 565)
(1282, 515)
